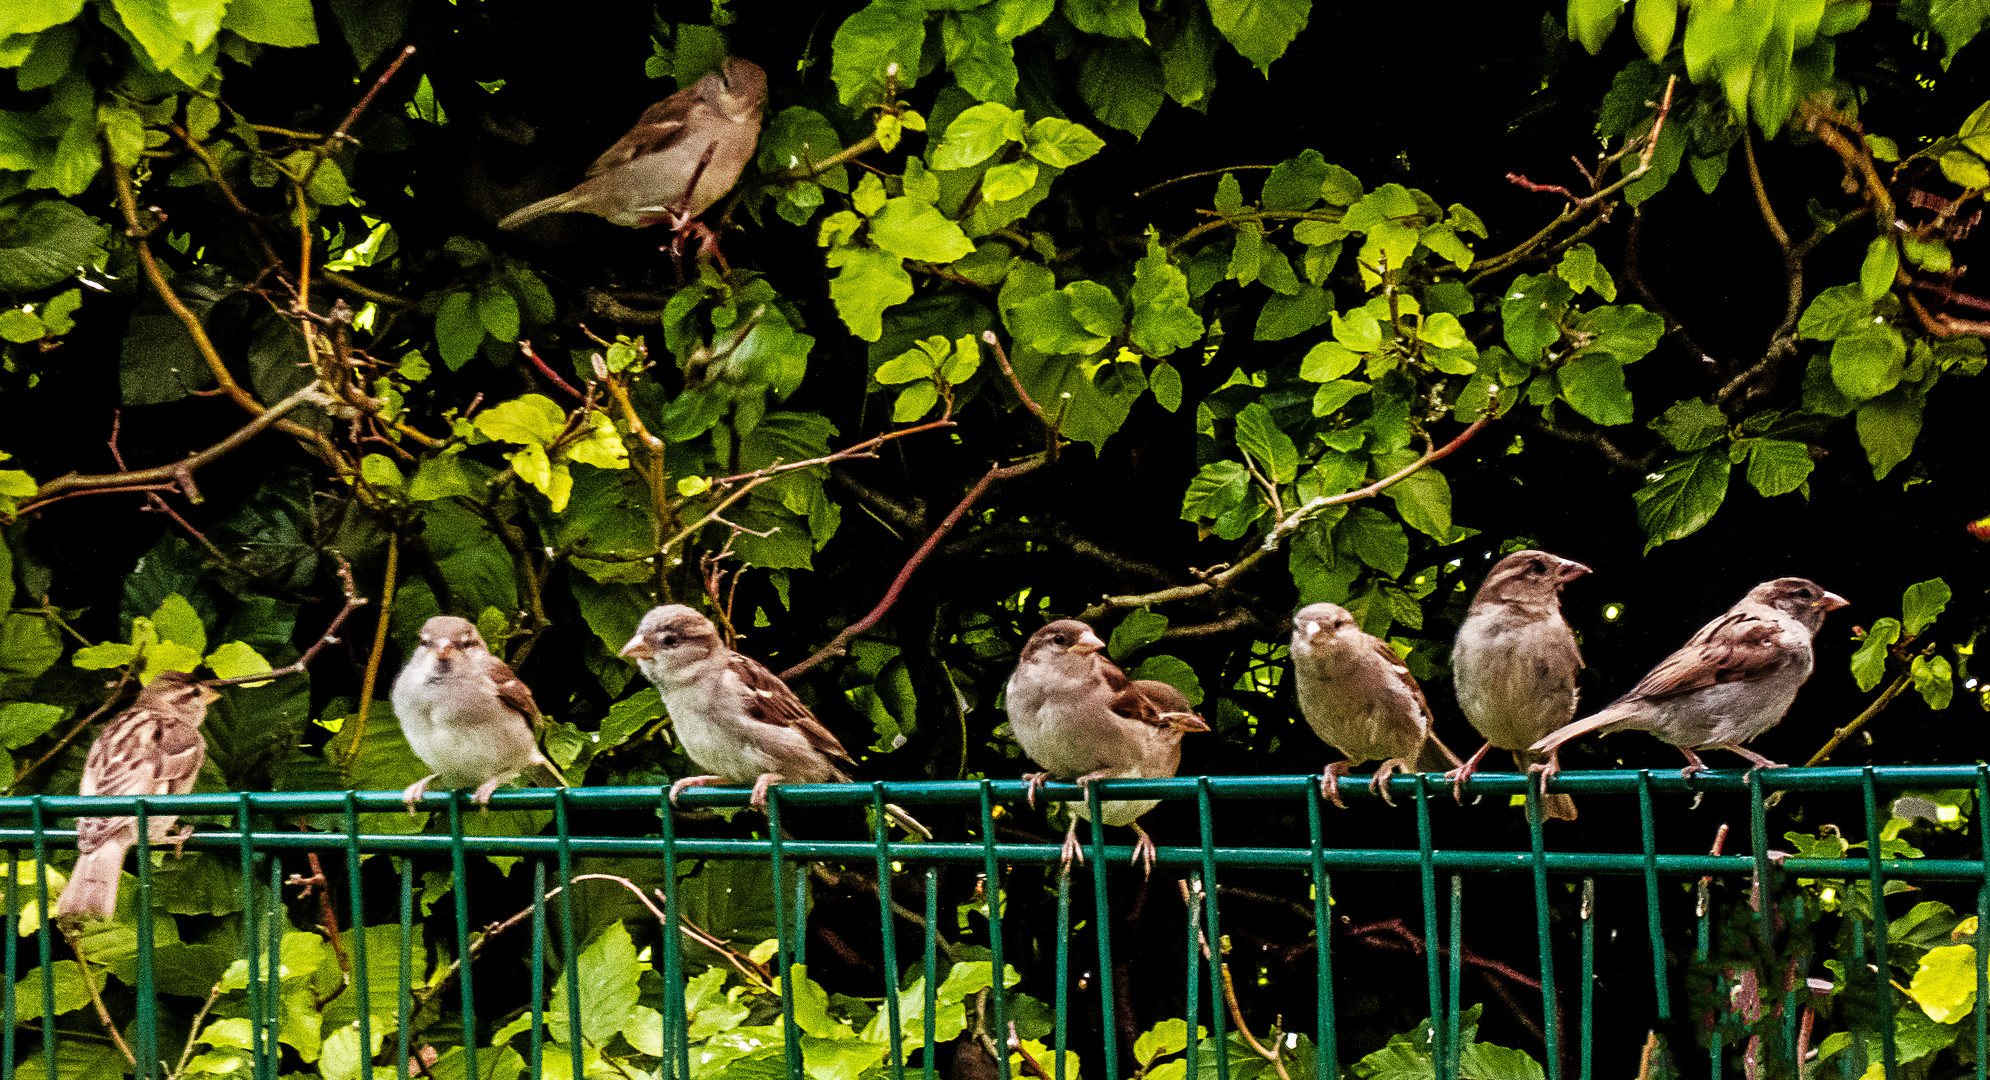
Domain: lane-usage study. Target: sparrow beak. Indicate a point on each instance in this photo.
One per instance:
(209, 695)
(1570, 571)
(1310, 629)
(1832, 602)
(445, 651)
(1185, 721)
(638, 649)
(1088, 644)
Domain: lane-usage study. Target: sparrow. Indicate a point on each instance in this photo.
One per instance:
(1361, 700)
(152, 748)
(1514, 665)
(466, 715)
(1080, 718)
(734, 717)
(1733, 681)
(683, 155)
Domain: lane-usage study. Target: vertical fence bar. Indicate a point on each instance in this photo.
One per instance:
(275, 918)
(1218, 983)
(538, 1060)
(1588, 974)
(1327, 1059)
(1427, 872)
(569, 952)
(1063, 1010)
(361, 980)
(1456, 970)
(1702, 942)
(251, 933)
(931, 970)
(44, 944)
(405, 1005)
(1853, 1061)
(676, 1021)
(145, 1027)
(460, 869)
(13, 932)
(998, 989)
(1102, 912)
(1983, 922)
(1890, 1060)
(1550, 1027)
(888, 929)
(1648, 829)
(790, 1035)
(1192, 1053)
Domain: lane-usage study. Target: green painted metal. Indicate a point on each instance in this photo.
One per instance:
(256, 827)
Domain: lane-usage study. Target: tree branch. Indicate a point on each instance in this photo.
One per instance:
(352, 603)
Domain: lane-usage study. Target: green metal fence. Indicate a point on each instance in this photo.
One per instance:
(267, 845)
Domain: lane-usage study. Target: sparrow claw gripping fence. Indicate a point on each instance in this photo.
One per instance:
(1321, 853)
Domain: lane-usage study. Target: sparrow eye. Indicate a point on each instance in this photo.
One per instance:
(1538, 567)
(1061, 640)
(668, 641)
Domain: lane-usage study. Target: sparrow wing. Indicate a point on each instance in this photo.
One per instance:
(1401, 673)
(770, 701)
(661, 126)
(144, 751)
(513, 692)
(1739, 646)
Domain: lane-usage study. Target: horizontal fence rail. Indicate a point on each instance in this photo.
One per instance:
(265, 833)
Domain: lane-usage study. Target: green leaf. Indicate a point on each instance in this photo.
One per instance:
(1111, 18)
(110, 654)
(1424, 500)
(914, 402)
(1258, 435)
(1691, 424)
(1778, 466)
(1594, 387)
(497, 312)
(458, 329)
(32, 16)
(1005, 182)
(1945, 984)
(177, 622)
(1294, 184)
(1887, 429)
(1357, 331)
(533, 419)
(44, 241)
(1327, 361)
(151, 24)
(1164, 1038)
(868, 282)
(1261, 30)
(439, 478)
(1166, 384)
(869, 197)
(1869, 659)
(1835, 312)
(1163, 320)
(1590, 22)
(1138, 630)
(1684, 497)
(1217, 488)
(883, 33)
(913, 229)
(1882, 263)
(1288, 316)
(1062, 143)
(1174, 671)
(1336, 393)
(608, 993)
(1922, 602)
(272, 22)
(600, 445)
(1121, 83)
(235, 659)
(1653, 22)
(1868, 362)
(1934, 681)
(72, 992)
(1375, 539)
(1531, 314)
(982, 61)
(1581, 270)
(22, 722)
(976, 134)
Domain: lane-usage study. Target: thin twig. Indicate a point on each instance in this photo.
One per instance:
(525, 347)
(373, 655)
(1144, 192)
(1893, 690)
(754, 973)
(193, 1033)
(96, 996)
(117, 691)
(352, 602)
(1229, 987)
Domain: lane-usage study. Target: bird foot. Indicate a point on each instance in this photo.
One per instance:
(178, 838)
(1757, 761)
(678, 787)
(1693, 764)
(766, 780)
(1379, 783)
(1143, 851)
(414, 793)
(1545, 771)
(1033, 786)
(1464, 772)
(1072, 850)
(1330, 783)
(482, 796)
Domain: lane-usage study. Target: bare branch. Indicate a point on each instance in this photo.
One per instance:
(352, 603)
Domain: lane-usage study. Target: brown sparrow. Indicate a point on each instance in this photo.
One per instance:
(1080, 718)
(466, 715)
(1514, 665)
(1361, 700)
(1733, 681)
(680, 158)
(152, 748)
(733, 716)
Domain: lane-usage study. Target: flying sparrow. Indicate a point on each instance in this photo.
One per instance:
(733, 716)
(152, 748)
(1361, 700)
(1733, 681)
(1515, 663)
(1080, 718)
(680, 158)
(466, 715)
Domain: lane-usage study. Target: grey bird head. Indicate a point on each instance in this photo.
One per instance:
(1062, 642)
(737, 89)
(671, 637)
(449, 639)
(1317, 624)
(1528, 577)
(178, 691)
(1800, 598)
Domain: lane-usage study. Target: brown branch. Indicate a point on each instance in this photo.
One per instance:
(1893, 690)
(338, 137)
(814, 169)
(1762, 194)
(372, 675)
(117, 691)
(352, 602)
(525, 347)
(1144, 192)
(320, 886)
(96, 996)
(180, 473)
(841, 641)
(754, 972)
(1229, 987)
(1031, 1066)
(193, 1032)
(1286, 527)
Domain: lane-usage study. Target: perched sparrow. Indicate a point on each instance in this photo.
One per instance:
(152, 748)
(1078, 716)
(680, 158)
(732, 715)
(1515, 662)
(1361, 700)
(1732, 682)
(466, 715)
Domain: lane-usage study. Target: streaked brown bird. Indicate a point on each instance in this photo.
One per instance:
(1361, 700)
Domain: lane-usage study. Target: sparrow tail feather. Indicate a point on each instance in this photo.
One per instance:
(1435, 756)
(1556, 806)
(556, 204)
(92, 888)
(546, 776)
(1582, 727)
(898, 814)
